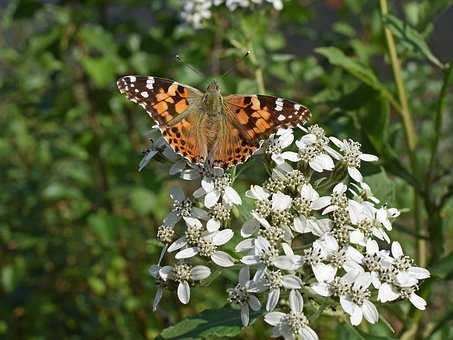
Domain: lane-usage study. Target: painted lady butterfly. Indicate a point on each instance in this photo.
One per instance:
(207, 126)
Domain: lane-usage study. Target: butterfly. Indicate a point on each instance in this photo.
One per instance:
(206, 126)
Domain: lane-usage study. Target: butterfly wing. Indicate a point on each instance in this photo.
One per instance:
(250, 119)
(258, 116)
(174, 107)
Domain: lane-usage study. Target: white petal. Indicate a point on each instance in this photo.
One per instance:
(177, 167)
(244, 245)
(316, 164)
(308, 333)
(222, 259)
(363, 281)
(355, 174)
(324, 272)
(300, 225)
(356, 316)
(419, 272)
(347, 305)
(321, 203)
(245, 314)
(280, 201)
(157, 297)
(212, 225)
(274, 318)
(207, 184)
(417, 301)
(321, 288)
(177, 194)
(165, 272)
(291, 282)
(186, 253)
(244, 275)
(370, 312)
(257, 193)
(171, 219)
(199, 213)
(287, 249)
(222, 237)
(288, 262)
(184, 292)
(254, 303)
(272, 299)
(357, 237)
(337, 142)
(249, 228)
(211, 198)
(387, 293)
(200, 272)
(231, 196)
(296, 302)
(326, 161)
(262, 244)
(178, 244)
(372, 247)
(153, 270)
(404, 279)
(368, 158)
(250, 260)
(193, 222)
(397, 251)
(291, 156)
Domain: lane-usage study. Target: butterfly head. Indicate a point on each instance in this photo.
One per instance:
(213, 87)
(213, 99)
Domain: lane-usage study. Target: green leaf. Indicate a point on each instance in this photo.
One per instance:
(223, 322)
(443, 268)
(362, 72)
(410, 37)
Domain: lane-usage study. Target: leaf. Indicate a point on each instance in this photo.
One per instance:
(223, 322)
(443, 268)
(411, 37)
(362, 72)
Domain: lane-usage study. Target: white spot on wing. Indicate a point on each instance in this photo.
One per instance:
(279, 104)
(150, 83)
(281, 117)
(144, 94)
(132, 79)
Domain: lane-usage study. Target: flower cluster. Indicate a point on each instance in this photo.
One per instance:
(195, 12)
(315, 229)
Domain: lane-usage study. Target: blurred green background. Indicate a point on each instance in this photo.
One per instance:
(77, 221)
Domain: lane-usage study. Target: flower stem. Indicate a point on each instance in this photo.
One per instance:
(409, 129)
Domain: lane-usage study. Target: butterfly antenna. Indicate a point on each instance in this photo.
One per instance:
(234, 66)
(190, 67)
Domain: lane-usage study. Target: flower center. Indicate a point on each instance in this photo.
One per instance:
(193, 234)
(359, 296)
(181, 272)
(183, 208)
(296, 321)
(267, 256)
(263, 208)
(274, 279)
(351, 153)
(165, 233)
(403, 263)
(206, 247)
(340, 287)
(238, 295)
(221, 182)
(302, 206)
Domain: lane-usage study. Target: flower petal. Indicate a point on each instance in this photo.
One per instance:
(184, 292)
(296, 302)
(222, 237)
(245, 314)
(178, 244)
(274, 318)
(355, 174)
(222, 259)
(244, 275)
(291, 282)
(370, 312)
(212, 225)
(200, 273)
(272, 299)
(254, 303)
(417, 301)
(186, 253)
(230, 196)
(211, 199)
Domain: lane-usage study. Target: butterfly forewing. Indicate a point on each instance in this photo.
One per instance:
(257, 116)
(173, 106)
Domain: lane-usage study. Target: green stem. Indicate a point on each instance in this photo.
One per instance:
(409, 129)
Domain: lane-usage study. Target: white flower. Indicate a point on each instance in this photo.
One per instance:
(277, 143)
(182, 207)
(294, 324)
(214, 188)
(266, 255)
(371, 222)
(273, 281)
(352, 156)
(357, 303)
(408, 275)
(314, 149)
(306, 222)
(183, 273)
(203, 243)
(242, 295)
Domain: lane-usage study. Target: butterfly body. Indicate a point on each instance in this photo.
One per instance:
(207, 126)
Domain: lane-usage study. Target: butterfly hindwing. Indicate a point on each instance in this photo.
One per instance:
(163, 99)
(257, 116)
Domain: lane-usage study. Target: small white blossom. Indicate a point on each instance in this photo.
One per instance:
(294, 324)
(242, 295)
